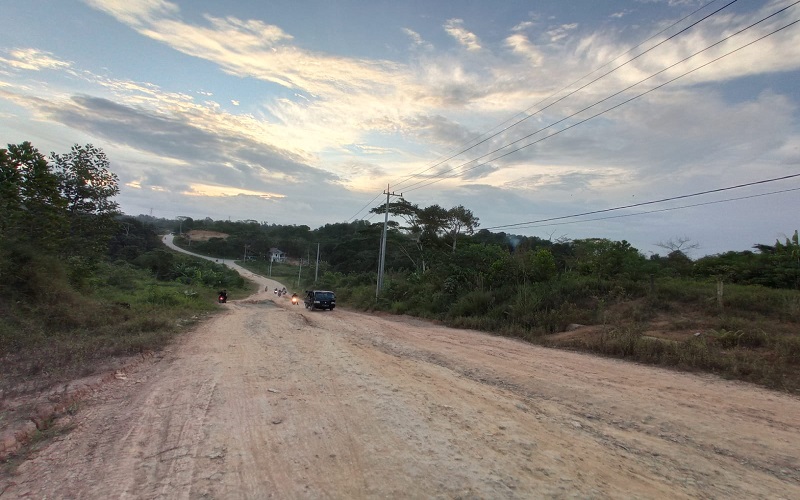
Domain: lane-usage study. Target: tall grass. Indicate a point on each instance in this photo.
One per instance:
(53, 331)
(754, 336)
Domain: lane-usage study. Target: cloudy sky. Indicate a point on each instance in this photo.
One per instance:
(302, 112)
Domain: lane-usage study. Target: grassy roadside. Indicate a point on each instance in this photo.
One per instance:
(56, 333)
(57, 327)
(752, 334)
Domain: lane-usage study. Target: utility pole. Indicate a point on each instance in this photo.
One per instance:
(180, 227)
(382, 258)
(316, 269)
(300, 271)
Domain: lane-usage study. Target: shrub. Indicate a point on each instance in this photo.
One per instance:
(158, 297)
(694, 353)
(788, 348)
(474, 303)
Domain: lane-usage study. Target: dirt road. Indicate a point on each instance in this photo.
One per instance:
(270, 400)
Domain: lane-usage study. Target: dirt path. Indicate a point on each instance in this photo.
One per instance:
(272, 400)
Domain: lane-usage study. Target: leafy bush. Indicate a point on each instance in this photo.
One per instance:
(788, 349)
(158, 297)
(474, 303)
(55, 331)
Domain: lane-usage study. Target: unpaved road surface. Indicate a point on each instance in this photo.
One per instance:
(270, 400)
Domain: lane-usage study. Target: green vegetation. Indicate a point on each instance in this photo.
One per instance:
(80, 284)
(660, 310)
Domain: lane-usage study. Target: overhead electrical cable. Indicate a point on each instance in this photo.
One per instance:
(370, 202)
(573, 92)
(427, 182)
(402, 179)
(422, 184)
(669, 209)
(641, 204)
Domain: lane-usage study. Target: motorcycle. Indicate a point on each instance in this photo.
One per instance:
(223, 298)
(295, 300)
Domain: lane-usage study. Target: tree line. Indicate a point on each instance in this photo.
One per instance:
(72, 266)
(59, 213)
(64, 205)
(446, 244)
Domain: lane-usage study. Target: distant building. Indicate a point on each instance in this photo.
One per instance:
(276, 255)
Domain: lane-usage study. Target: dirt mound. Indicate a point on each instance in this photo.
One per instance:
(201, 235)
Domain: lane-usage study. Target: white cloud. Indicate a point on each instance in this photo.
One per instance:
(558, 33)
(520, 44)
(522, 26)
(137, 12)
(319, 139)
(455, 28)
(674, 3)
(416, 39)
(33, 60)
(209, 190)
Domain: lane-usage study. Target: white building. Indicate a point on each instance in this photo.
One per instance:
(276, 255)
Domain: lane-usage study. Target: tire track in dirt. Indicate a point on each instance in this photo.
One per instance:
(270, 400)
(613, 428)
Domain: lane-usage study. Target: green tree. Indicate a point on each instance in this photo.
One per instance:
(460, 219)
(605, 258)
(540, 265)
(787, 258)
(88, 187)
(132, 239)
(426, 226)
(33, 209)
(10, 199)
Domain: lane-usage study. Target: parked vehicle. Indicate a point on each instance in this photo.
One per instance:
(320, 299)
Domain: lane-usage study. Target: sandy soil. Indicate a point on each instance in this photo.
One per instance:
(270, 400)
(203, 235)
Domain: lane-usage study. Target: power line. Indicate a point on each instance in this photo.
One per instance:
(583, 86)
(430, 182)
(672, 198)
(402, 179)
(370, 202)
(664, 209)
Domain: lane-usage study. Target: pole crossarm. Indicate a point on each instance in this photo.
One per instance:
(382, 256)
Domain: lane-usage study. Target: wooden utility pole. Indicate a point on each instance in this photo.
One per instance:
(382, 258)
(300, 271)
(316, 269)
